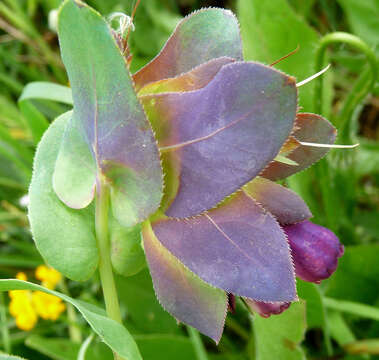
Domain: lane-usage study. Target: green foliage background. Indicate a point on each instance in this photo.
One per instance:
(336, 320)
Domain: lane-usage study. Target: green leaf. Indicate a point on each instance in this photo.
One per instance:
(64, 349)
(43, 90)
(111, 332)
(10, 357)
(270, 30)
(143, 307)
(74, 175)
(127, 255)
(362, 310)
(313, 302)
(64, 237)
(109, 117)
(357, 275)
(363, 17)
(54, 348)
(36, 121)
(339, 329)
(278, 337)
(167, 347)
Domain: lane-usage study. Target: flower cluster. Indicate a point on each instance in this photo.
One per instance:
(26, 306)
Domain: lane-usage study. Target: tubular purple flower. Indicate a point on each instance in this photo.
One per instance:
(265, 309)
(315, 250)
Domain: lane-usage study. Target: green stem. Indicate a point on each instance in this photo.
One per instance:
(105, 266)
(198, 345)
(4, 326)
(357, 43)
(73, 329)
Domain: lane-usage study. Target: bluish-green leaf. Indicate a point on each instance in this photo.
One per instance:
(64, 237)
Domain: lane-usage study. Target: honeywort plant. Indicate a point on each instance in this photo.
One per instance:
(184, 155)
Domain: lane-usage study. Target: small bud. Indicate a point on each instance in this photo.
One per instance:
(267, 309)
(315, 250)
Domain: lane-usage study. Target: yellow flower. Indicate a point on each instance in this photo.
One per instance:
(20, 307)
(25, 306)
(48, 307)
(48, 276)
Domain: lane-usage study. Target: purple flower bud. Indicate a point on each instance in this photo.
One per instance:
(267, 309)
(315, 250)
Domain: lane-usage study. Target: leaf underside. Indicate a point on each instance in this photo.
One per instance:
(216, 139)
(237, 247)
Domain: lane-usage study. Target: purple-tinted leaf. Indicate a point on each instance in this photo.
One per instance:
(308, 128)
(109, 115)
(181, 292)
(216, 139)
(315, 250)
(237, 247)
(198, 38)
(192, 80)
(286, 206)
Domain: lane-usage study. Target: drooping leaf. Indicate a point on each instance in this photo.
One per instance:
(216, 139)
(237, 247)
(278, 337)
(198, 38)
(64, 237)
(308, 128)
(74, 175)
(286, 206)
(111, 332)
(194, 79)
(109, 115)
(182, 293)
(46, 91)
